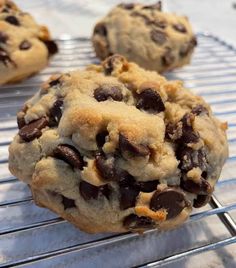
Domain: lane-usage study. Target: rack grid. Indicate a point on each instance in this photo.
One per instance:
(35, 237)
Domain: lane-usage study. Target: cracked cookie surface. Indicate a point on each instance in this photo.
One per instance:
(114, 148)
(25, 46)
(144, 34)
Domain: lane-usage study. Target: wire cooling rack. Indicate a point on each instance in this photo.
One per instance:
(34, 237)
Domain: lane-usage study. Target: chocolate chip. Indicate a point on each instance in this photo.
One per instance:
(158, 36)
(179, 27)
(188, 134)
(101, 138)
(147, 186)
(89, 191)
(32, 130)
(105, 190)
(193, 42)
(201, 201)
(55, 112)
(134, 149)
(127, 6)
(51, 46)
(106, 166)
(149, 100)
(5, 10)
(106, 92)
(25, 45)
(188, 47)
(4, 57)
(12, 20)
(202, 187)
(170, 199)
(3, 37)
(204, 175)
(133, 222)
(111, 62)
(200, 110)
(126, 179)
(128, 190)
(20, 122)
(54, 82)
(190, 158)
(168, 58)
(157, 6)
(68, 203)
(100, 29)
(70, 155)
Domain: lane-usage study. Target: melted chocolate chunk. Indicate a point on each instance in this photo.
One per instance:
(158, 36)
(169, 199)
(128, 190)
(200, 110)
(12, 20)
(130, 147)
(51, 46)
(32, 130)
(3, 37)
(157, 6)
(101, 138)
(89, 191)
(190, 158)
(128, 196)
(70, 155)
(106, 166)
(55, 112)
(100, 29)
(168, 58)
(25, 45)
(179, 27)
(68, 203)
(202, 187)
(149, 100)
(147, 186)
(4, 57)
(201, 201)
(106, 92)
(133, 222)
(188, 134)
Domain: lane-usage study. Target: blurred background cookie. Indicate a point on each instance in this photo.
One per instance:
(25, 46)
(144, 34)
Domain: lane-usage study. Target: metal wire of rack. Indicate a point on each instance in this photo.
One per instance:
(35, 237)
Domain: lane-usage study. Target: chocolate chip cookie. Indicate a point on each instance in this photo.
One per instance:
(25, 46)
(144, 34)
(115, 148)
